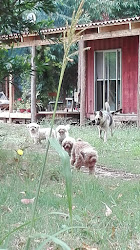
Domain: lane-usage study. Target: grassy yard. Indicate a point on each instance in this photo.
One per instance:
(92, 195)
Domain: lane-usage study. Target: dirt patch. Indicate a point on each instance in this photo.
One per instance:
(102, 171)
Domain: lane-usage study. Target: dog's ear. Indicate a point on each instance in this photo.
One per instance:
(101, 113)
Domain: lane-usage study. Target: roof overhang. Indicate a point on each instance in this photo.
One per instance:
(91, 31)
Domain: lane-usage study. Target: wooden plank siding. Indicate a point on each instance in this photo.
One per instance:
(129, 50)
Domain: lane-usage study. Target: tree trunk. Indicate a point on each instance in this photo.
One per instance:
(33, 85)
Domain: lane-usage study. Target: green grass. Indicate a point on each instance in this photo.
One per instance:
(19, 176)
(122, 151)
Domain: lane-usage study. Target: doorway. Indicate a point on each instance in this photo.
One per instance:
(107, 79)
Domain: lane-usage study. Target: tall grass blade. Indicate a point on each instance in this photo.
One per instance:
(55, 240)
(14, 230)
(67, 46)
(66, 171)
(52, 237)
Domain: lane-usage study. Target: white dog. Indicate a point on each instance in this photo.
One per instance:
(62, 132)
(38, 133)
(67, 144)
(104, 121)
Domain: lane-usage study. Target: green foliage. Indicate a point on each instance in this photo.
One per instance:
(4, 62)
(112, 9)
(64, 11)
(48, 71)
(96, 10)
(48, 66)
(13, 14)
(127, 8)
(13, 63)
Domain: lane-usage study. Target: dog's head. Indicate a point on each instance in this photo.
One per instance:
(98, 117)
(62, 130)
(33, 127)
(67, 144)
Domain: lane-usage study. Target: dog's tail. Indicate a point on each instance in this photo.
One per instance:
(107, 107)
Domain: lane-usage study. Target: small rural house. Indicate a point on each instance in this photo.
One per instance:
(111, 67)
(108, 71)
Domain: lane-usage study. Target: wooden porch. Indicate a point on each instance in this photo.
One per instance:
(24, 118)
(7, 117)
(120, 118)
(73, 117)
(125, 118)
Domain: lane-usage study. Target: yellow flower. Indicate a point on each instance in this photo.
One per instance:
(20, 152)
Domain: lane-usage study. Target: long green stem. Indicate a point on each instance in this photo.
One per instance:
(67, 46)
(47, 149)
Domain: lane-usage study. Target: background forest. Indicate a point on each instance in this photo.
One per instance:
(15, 17)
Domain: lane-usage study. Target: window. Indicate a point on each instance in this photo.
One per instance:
(107, 79)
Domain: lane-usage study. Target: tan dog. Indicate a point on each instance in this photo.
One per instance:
(38, 133)
(62, 132)
(104, 121)
(83, 154)
(67, 144)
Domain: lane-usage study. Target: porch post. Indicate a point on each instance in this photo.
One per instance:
(82, 82)
(138, 99)
(6, 87)
(10, 97)
(33, 85)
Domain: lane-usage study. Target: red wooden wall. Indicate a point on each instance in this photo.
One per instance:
(129, 48)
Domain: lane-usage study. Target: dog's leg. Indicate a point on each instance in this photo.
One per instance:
(72, 160)
(105, 136)
(100, 132)
(92, 170)
(77, 163)
(112, 127)
(35, 140)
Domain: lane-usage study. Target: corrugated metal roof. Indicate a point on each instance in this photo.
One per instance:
(95, 24)
(79, 26)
